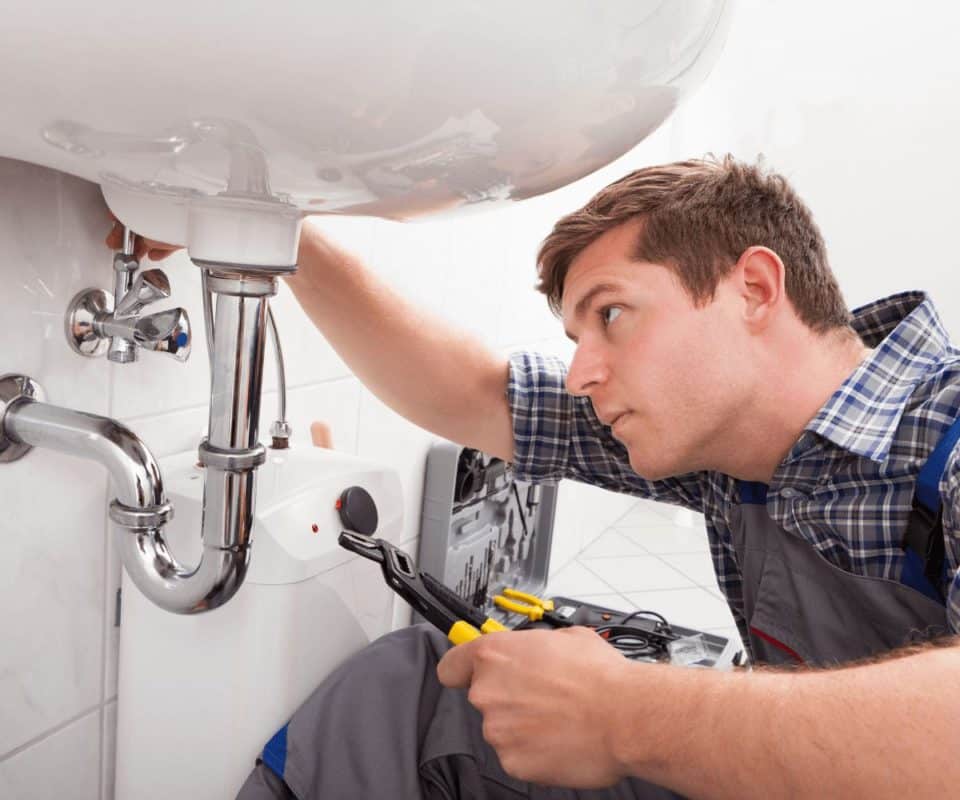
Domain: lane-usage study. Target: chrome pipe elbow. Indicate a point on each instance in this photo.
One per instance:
(131, 465)
(140, 510)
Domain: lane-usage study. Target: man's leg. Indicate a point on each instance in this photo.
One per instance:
(382, 726)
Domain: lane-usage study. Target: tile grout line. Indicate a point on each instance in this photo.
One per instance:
(49, 733)
(201, 406)
(104, 635)
(683, 575)
(694, 581)
(613, 590)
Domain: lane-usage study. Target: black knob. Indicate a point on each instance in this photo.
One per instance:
(357, 511)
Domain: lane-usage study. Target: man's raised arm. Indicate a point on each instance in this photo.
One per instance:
(438, 377)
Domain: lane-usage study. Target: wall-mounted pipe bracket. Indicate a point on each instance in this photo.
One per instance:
(14, 388)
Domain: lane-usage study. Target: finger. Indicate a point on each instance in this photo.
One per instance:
(114, 237)
(455, 669)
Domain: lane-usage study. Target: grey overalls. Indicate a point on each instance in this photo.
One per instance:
(381, 726)
(801, 609)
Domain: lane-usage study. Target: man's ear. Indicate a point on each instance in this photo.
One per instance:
(760, 277)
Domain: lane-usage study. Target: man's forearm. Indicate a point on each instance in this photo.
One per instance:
(888, 729)
(437, 377)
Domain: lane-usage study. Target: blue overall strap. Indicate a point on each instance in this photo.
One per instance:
(753, 493)
(275, 752)
(924, 566)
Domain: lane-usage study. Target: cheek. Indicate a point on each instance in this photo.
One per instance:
(687, 373)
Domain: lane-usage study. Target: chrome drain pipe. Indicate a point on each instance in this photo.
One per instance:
(230, 454)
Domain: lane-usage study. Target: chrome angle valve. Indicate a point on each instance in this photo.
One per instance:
(94, 325)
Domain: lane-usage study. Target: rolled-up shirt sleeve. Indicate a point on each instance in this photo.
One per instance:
(557, 435)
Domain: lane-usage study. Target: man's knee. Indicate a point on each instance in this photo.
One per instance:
(403, 661)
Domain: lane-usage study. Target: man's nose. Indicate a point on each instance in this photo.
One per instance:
(587, 371)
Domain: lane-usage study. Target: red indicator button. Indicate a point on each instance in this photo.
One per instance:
(339, 504)
(315, 528)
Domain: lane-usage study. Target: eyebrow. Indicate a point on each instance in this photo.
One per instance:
(584, 302)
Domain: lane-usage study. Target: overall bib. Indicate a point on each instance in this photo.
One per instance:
(801, 609)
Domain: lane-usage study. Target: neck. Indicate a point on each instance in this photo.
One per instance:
(793, 384)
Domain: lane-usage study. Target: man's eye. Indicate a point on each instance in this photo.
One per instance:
(609, 314)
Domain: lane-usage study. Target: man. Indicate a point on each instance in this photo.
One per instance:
(716, 367)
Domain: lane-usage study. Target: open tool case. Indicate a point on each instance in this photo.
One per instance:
(483, 531)
(480, 529)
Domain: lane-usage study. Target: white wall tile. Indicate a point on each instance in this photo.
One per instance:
(388, 438)
(51, 231)
(51, 590)
(637, 573)
(65, 764)
(108, 766)
(308, 358)
(52, 542)
(409, 260)
(575, 580)
(112, 578)
(173, 432)
(611, 544)
(665, 538)
(471, 285)
(691, 607)
(336, 403)
(583, 513)
(698, 567)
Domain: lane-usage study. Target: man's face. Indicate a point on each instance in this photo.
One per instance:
(666, 375)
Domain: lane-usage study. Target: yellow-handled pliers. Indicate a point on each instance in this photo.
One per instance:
(437, 603)
(532, 607)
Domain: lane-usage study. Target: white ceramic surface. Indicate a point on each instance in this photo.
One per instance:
(52, 526)
(212, 126)
(64, 765)
(637, 573)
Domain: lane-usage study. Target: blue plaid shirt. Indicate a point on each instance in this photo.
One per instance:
(847, 484)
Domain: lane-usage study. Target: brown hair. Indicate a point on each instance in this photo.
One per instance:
(699, 216)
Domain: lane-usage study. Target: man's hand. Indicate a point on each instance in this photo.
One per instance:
(151, 248)
(549, 701)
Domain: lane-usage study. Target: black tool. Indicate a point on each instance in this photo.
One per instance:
(436, 603)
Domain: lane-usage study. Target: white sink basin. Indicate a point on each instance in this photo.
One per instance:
(367, 107)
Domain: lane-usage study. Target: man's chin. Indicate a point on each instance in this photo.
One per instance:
(653, 470)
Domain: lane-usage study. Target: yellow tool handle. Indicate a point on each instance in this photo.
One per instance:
(531, 612)
(516, 594)
(492, 626)
(462, 632)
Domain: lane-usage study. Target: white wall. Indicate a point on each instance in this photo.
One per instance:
(855, 102)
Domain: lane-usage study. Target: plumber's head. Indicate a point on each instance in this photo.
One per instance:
(681, 284)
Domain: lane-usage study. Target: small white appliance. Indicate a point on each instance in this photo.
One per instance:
(201, 694)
